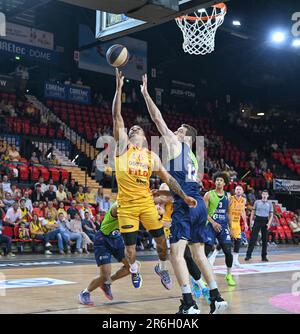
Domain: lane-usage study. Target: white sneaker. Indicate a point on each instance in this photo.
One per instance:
(218, 307)
(47, 252)
(237, 265)
(48, 244)
(11, 255)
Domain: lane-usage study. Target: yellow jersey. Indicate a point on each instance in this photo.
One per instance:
(236, 207)
(133, 171)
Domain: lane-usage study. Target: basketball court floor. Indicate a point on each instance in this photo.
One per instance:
(50, 284)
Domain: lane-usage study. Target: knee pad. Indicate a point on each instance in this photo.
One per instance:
(157, 233)
(207, 249)
(130, 238)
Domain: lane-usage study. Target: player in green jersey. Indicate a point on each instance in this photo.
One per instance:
(108, 242)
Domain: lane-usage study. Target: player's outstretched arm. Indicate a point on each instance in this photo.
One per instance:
(155, 113)
(171, 182)
(118, 122)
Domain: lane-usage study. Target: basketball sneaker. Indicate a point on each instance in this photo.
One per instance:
(165, 277)
(106, 288)
(230, 280)
(188, 309)
(196, 291)
(85, 298)
(136, 278)
(218, 305)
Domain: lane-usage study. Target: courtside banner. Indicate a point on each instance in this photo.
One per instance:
(6, 83)
(29, 36)
(183, 89)
(286, 185)
(71, 93)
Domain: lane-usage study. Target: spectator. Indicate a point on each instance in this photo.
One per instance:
(6, 240)
(34, 159)
(43, 184)
(26, 216)
(6, 185)
(50, 208)
(37, 232)
(99, 196)
(38, 209)
(274, 146)
(232, 174)
(79, 82)
(68, 236)
(72, 187)
(65, 185)
(251, 196)
(88, 226)
(30, 111)
(61, 209)
(76, 227)
(268, 177)
(61, 195)
(89, 196)
(8, 201)
(28, 202)
(263, 165)
(85, 209)
(98, 221)
(54, 160)
(51, 183)
(295, 227)
(68, 81)
(13, 215)
(80, 195)
(105, 204)
(72, 211)
(52, 229)
(37, 194)
(50, 194)
(16, 193)
(13, 154)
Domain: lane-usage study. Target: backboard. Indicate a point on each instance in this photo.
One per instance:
(110, 26)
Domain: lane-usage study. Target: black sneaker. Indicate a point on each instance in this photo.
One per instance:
(247, 258)
(264, 259)
(218, 305)
(188, 309)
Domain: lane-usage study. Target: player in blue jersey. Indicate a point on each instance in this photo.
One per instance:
(219, 224)
(188, 225)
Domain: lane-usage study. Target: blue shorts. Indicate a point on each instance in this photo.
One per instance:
(107, 246)
(189, 223)
(223, 237)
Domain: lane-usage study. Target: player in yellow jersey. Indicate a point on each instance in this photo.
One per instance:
(237, 210)
(134, 165)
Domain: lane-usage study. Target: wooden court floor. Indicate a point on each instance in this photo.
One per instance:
(251, 295)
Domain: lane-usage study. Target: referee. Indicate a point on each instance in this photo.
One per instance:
(263, 211)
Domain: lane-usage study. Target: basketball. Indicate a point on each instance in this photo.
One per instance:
(117, 55)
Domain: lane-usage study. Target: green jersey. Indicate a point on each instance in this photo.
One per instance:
(109, 223)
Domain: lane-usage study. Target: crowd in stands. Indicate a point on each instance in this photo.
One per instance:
(65, 213)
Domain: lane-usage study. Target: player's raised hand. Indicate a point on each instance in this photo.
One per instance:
(144, 86)
(190, 201)
(119, 79)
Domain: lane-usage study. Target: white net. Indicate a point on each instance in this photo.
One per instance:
(199, 31)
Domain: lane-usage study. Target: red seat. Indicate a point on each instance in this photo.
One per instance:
(64, 174)
(45, 173)
(34, 173)
(54, 174)
(24, 173)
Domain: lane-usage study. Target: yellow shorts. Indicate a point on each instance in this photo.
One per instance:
(236, 231)
(130, 215)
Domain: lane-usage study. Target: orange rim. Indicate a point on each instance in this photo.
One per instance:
(205, 18)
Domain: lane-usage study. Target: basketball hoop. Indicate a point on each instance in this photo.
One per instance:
(200, 29)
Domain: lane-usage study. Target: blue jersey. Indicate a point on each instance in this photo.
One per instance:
(220, 214)
(184, 169)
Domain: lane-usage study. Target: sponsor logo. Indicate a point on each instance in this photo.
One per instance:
(32, 282)
(127, 227)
